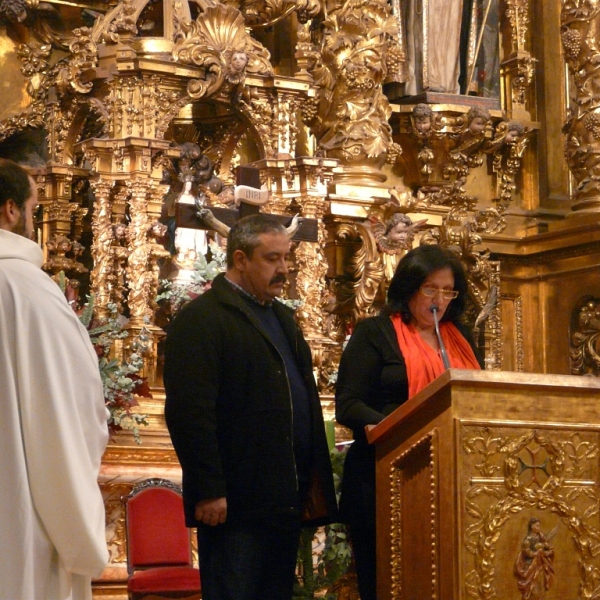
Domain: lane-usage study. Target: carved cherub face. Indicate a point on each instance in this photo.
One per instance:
(238, 61)
(423, 123)
(511, 136)
(477, 125)
(119, 231)
(397, 229)
(158, 229)
(64, 245)
(398, 232)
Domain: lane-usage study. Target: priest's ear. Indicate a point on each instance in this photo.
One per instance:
(10, 214)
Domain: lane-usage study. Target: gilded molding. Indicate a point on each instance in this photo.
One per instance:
(517, 308)
(430, 443)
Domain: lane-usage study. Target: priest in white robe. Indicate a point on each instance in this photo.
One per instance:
(53, 428)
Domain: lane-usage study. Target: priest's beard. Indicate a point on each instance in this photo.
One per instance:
(20, 227)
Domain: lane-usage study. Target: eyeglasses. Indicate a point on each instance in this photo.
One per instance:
(430, 292)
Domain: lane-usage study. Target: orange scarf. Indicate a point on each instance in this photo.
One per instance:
(423, 363)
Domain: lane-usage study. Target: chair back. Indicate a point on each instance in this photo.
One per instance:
(155, 526)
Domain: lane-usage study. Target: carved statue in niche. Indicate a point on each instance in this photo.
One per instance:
(189, 243)
(451, 46)
(438, 69)
(534, 567)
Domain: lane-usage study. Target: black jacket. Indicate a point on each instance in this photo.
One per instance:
(229, 411)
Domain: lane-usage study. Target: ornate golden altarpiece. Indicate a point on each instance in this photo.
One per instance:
(103, 99)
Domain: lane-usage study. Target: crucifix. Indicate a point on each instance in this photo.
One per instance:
(248, 192)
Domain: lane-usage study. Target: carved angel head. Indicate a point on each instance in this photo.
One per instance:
(477, 120)
(422, 116)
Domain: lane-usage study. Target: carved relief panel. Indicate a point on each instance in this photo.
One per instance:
(529, 510)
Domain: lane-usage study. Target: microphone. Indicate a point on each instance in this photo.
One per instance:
(433, 308)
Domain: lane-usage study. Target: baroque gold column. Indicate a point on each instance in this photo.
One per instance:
(101, 253)
(580, 27)
(138, 277)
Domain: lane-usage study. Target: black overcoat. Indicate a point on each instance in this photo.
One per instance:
(229, 411)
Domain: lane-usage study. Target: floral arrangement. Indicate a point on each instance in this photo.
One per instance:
(120, 378)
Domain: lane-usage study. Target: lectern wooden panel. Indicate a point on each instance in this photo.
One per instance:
(488, 488)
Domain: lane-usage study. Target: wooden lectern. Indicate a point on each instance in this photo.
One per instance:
(488, 487)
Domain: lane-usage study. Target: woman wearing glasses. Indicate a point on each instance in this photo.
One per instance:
(388, 359)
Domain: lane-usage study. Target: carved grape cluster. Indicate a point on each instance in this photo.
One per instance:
(592, 124)
(358, 78)
(309, 109)
(571, 39)
(394, 58)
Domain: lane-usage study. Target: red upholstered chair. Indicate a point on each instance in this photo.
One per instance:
(159, 556)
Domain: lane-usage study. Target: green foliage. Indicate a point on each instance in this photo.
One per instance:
(120, 379)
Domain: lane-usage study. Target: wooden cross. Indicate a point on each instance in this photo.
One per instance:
(185, 214)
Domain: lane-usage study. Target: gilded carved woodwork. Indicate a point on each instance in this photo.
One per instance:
(139, 273)
(219, 43)
(579, 31)
(358, 54)
(262, 13)
(101, 247)
(62, 256)
(377, 245)
(518, 68)
(585, 339)
(310, 285)
(116, 101)
(442, 148)
(115, 521)
(547, 474)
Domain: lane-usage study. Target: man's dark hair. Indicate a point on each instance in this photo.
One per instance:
(14, 183)
(412, 271)
(244, 234)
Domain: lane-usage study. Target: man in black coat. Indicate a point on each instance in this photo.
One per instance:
(245, 419)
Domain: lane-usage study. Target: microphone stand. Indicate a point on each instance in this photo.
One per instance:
(433, 308)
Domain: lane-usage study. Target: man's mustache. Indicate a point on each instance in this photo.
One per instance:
(281, 278)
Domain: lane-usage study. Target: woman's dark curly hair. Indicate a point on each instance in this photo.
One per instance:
(412, 271)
